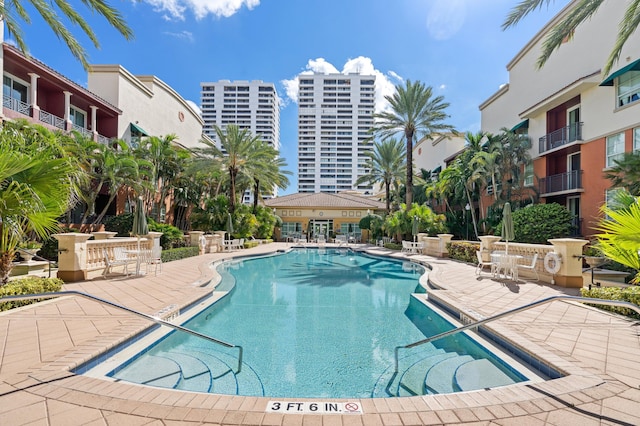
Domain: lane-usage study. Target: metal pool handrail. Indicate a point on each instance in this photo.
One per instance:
(124, 308)
(513, 311)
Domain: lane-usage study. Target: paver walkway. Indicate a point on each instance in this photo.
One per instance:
(599, 352)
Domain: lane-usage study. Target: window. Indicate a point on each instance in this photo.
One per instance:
(636, 139)
(528, 174)
(78, 117)
(615, 148)
(610, 198)
(14, 89)
(628, 87)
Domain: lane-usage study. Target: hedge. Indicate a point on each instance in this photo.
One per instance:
(29, 285)
(628, 294)
(463, 251)
(179, 253)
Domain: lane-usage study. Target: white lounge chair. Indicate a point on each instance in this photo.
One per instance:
(340, 240)
(531, 267)
(482, 264)
(120, 258)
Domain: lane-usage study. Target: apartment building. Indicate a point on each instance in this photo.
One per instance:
(335, 113)
(252, 105)
(580, 121)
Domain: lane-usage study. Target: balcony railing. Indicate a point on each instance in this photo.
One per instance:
(84, 132)
(52, 120)
(561, 182)
(560, 137)
(16, 105)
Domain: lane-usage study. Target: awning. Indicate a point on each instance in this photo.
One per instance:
(633, 66)
(521, 125)
(137, 130)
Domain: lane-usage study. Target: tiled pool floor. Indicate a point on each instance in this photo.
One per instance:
(600, 353)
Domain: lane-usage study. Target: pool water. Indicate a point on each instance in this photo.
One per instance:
(318, 323)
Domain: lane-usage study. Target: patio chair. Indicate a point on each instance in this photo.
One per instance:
(406, 247)
(482, 264)
(341, 239)
(532, 266)
(154, 258)
(120, 258)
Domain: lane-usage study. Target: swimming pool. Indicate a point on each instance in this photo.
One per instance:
(318, 323)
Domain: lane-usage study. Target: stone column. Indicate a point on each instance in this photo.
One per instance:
(570, 274)
(94, 121)
(486, 246)
(35, 109)
(444, 240)
(215, 243)
(194, 239)
(72, 256)
(154, 237)
(67, 110)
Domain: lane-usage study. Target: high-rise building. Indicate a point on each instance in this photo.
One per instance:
(251, 105)
(335, 113)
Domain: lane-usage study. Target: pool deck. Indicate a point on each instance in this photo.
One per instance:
(599, 352)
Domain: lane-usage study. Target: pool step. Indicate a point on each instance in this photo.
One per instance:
(157, 371)
(196, 375)
(480, 374)
(388, 383)
(440, 377)
(246, 382)
(412, 380)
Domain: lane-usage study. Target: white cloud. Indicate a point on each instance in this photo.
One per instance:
(442, 87)
(396, 76)
(201, 8)
(184, 35)
(445, 18)
(360, 65)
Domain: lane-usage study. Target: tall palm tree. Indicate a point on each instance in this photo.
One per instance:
(582, 12)
(385, 163)
(268, 174)
(36, 187)
(240, 149)
(414, 112)
(13, 11)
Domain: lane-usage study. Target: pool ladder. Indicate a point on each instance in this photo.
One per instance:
(124, 308)
(513, 311)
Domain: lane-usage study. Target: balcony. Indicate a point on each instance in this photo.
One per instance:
(560, 137)
(560, 183)
(16, 105)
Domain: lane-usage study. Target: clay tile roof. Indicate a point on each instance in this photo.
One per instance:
(322, 199)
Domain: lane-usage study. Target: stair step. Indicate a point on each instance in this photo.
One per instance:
(157, 371)
(440, 377)
(225, 365)
(480, 374)
(412, 381)
(196, 375)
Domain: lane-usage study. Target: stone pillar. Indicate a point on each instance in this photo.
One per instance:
(570, 274)
(444, 240)
(154, 237)
(486, 246)
(215, 243)
(195, 238)
(72, 256)
(94, 121)
(35, 109)
(67, 110)
(221, 234)
(103, 235)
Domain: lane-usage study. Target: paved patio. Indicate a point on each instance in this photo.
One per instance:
(598, 351)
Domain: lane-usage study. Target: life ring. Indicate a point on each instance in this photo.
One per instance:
(552, 263)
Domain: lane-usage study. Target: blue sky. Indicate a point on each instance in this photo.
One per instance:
(455, 46)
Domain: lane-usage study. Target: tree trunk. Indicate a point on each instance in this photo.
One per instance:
(256, 193)
(232, 190)
(6, 265)
(387, 191)
(408, 195)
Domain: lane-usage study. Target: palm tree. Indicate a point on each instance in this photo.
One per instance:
(13, 10)
(619, 239)
(413, 113)
(564, 29)
(385, 163)
(626, 173)
(268, 174)
(36, 187)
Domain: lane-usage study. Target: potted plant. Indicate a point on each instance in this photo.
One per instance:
(28, 249)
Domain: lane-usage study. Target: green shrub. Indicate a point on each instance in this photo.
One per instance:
(463, 251)
(29, 285)
(122, 224)
(251, 244)
(179, 253)
(628, 294)
(393, 246)
(172, 237)
(537, 223)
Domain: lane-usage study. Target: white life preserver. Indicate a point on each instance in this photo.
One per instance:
(552, 263)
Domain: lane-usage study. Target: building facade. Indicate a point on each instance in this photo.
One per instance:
(252, 105)
(335, 113)
(579, 120)
(150, 107)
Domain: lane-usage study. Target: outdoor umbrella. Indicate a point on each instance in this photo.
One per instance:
(140, 226)
(508, 233)
(415, 228)
(229, 225)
